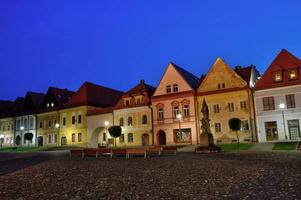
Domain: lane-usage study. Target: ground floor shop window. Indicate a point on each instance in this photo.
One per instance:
(271, 130)
(183, 136)
(293, 129)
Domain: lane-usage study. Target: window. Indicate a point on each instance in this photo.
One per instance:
(121, 123)
(245, 125)
(73, 119)
(127, 102)
(218, 86)
(175, 111)
(104, 136)
(79, 119)
(73, 137)
(168, 89)
(175, 88)
(25, 123)
(31, 123)
(49, 123)
(41, 124)
(18, 124)
(79, 137)
(278, 76)
(121, 138)
(243, 105)
(290, 101)
(138, 100)
(64, 121)
(130, 137)
(268, 103)
(130, 121)
(55, 138)
(49, 139)
(216, 108)
(160, 114)
(224, 85)
(293, 74)
(183, 136)
(231, 107)
(186, 110)
(144, 119)
(218, 127)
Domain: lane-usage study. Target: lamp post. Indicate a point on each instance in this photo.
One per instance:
(21, 128)
(179, 116)
(282, 106)
(57, 126)
(106, 125)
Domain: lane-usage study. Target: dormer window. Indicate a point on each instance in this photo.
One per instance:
(278, 76)
(293, 75)
(168, 89)
(175, 88)
(127, 102)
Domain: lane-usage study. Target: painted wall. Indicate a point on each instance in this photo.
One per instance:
(46, 127)
(29, 124)
(276, 115)
(7, 126)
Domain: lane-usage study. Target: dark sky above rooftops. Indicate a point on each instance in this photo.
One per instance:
(116, 43)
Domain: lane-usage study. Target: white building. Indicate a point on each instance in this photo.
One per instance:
(278, 100)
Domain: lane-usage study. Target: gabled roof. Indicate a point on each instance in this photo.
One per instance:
(58, 95)
(90, 94)
(283, 62)
(32, 101)
(191, 79)
(141, 88)
(244, 72)
(18, 103)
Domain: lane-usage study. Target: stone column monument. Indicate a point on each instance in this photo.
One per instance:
(206, 137)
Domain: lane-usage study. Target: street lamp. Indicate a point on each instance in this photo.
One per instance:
(57, 126)
(21, 128)
(179, 116)
(105, 134)
(282, 106)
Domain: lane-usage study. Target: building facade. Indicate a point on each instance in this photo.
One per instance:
(278, 100)
(48, 117)
(174, 108)
(26, 119)
(73, 116)
(228, 94)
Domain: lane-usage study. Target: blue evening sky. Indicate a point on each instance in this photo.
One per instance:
(63, 43)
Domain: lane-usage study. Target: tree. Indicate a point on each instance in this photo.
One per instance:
(28, 137)
(235, 125)
(115, 132)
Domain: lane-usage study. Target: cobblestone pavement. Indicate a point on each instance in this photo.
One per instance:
(185, 176)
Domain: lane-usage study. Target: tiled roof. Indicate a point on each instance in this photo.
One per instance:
(191, 79)
(283, 62)
(99, 111)
(244, 72)
(94, 95)
(140, 88)
(36, 98)
(62, 95)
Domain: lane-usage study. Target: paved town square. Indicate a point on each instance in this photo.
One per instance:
(249, 175)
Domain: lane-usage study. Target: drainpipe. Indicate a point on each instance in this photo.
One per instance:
(152, 124)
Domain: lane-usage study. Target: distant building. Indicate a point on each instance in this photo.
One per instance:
(278, 99)
(7, 122)
(48, 117)
(26, 118)
(174, 108)
(229, 94)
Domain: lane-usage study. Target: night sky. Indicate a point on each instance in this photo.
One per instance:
(116, 43)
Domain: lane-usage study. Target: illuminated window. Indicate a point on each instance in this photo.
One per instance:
(293, 74)
(176, 111)
(168, 89)
(175, 88)
(278, 77)
(127, 102)
(130, 121)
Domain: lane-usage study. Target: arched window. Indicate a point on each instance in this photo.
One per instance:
(144, 119)
(130, 121)
(121, 121)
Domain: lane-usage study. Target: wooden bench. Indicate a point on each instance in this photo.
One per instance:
(77, 153)
(135, 151)
(169, 150)
(156, 150)
(90, 152)
(118, 152)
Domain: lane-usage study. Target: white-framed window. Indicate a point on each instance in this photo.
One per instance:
(175, 87)
(130, 121)
(160, 114)
(245, 125)
(121, 121)
(79, 137)
(243, 105)
(216, 108)
(230, 107)
(176, 111)
(130, 137)
(217, 127)
(186, 110)
(168, 89)
(73, 137)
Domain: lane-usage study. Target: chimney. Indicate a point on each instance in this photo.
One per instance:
(142, 81)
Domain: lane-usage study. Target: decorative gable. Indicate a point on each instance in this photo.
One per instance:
(283, 71)
(172, 82)
(221, 76)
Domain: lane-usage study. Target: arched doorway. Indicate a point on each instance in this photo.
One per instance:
(98, 137)
(161, 137)
(145, 139)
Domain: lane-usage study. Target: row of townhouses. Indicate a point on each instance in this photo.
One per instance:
(269, 107)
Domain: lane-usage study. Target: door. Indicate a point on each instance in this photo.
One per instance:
(145, 139)
(63, 141)
(271, 130)
(40, 141)
(293, 129)
(162, 137)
